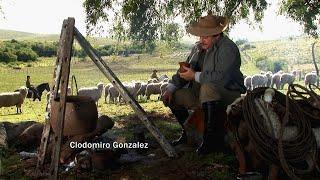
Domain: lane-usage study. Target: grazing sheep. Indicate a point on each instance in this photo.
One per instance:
(69, 92)
(269, 78)
(275, 80)
(258, 80)
(247, 82)
(153, 80)
(165, 80)
(310, 78)
(106, 91)
(163, 77)
(133, 88)
(286, 78)
(153, 88)
(163, 87)
(113, 94)
(142, 91)
(13, 99)
(93, 92)
(297, 73)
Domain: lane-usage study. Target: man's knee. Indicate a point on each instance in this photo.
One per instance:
(209, 92)
(185, 98)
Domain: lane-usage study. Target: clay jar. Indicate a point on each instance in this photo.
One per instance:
(80, 117)
(183, 64)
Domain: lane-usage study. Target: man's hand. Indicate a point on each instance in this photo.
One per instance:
(188, 75)
(166, 98)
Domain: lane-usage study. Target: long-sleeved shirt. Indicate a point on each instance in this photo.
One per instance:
(219, 65)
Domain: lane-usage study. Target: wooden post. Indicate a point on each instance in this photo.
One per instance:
(62, 79)
(124, 93)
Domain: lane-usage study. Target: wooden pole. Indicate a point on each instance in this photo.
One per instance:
(124, 93)
(64, 58)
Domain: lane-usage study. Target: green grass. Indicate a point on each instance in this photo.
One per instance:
(296, 51)
(87, 74)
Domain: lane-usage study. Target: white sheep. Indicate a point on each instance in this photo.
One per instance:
(69, 92)
(286, 78)
(258, 80)
(275, 80)
(297, 73)
(310, 78)
(142, 91)
(93, 92)
(163, 77)
(153, 80)
(106, 91)
(13, 98)
(153, 88)
(113, 94)
(163, 87)
(269, 78)
(247, 82)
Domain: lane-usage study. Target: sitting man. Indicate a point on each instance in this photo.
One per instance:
(213, 81)
(31, 87)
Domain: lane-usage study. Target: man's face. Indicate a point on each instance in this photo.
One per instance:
(207, 41)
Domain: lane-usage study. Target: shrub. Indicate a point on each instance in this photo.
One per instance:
(7, 57)
(241, 41)
(25, 54)
(45, 49)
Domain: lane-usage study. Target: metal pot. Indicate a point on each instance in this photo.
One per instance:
(80, 117)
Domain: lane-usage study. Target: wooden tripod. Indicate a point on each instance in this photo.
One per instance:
(60, 81)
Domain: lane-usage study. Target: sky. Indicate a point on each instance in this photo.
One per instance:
(46, 17)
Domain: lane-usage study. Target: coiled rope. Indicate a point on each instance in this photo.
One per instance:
(277, 151)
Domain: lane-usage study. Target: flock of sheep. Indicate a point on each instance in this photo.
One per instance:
(157, 86)
(137, 89)
(279, 79)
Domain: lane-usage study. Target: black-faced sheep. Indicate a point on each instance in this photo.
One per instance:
(13, 99)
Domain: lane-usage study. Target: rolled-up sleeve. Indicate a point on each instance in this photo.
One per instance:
(225, 59)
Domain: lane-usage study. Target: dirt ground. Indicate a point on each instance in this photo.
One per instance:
(153, 162)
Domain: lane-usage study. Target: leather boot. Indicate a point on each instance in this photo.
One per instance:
(181, 115)
(213, 136)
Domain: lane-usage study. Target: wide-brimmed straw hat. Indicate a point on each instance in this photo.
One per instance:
(208, 26)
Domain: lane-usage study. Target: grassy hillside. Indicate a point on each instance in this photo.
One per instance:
(19, 35)
(295, 51)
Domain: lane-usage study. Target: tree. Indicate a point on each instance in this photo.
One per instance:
(146, 19)
(306, 12)
(171, 34)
